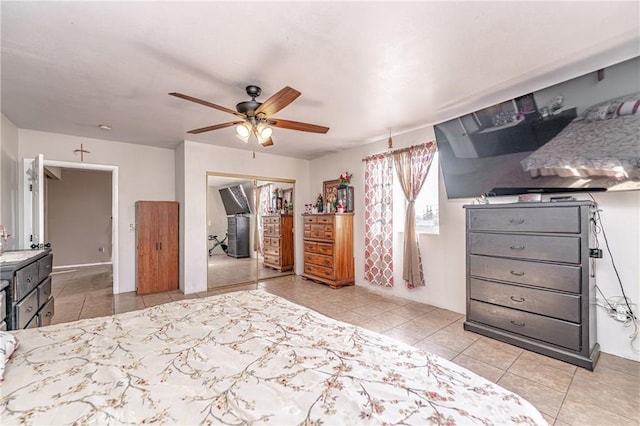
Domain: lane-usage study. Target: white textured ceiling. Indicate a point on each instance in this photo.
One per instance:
(364, 68)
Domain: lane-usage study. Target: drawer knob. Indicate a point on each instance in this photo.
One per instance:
(518, 248)
(514, 221)
(48, 314)
(29, 309)
(517, 274)
(517, 299)
(517, 323)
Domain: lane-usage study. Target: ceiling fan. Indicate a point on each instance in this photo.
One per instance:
(257, 117)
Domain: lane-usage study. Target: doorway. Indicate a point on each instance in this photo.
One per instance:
(77, 216)
(237, 207)
(109, 229)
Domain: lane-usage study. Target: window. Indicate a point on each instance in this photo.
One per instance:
(427, 206)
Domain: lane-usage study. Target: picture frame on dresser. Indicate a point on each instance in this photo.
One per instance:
(330, 190)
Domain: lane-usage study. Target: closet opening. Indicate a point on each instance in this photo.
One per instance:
(250, 229)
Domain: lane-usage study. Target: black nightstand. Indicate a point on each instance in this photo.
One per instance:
(547, 128)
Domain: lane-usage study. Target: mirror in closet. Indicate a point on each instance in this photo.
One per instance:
(249, 229)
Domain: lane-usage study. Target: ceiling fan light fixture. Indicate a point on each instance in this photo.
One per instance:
(264, 131)
(243, 131)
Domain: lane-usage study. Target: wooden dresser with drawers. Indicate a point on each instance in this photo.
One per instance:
(529, 278)
(328, 248)
(277, 242)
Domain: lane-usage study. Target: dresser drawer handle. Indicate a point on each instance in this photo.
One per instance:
(518, 248)
(516, 221)
(517, 299)
(29, 279)
(48, 314)
(517, 323)
(29, 309)
(517, 274)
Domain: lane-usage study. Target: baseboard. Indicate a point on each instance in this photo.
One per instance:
(62, 268)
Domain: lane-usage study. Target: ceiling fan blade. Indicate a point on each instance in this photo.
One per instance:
(267, 142)
(278, 101)
(214, 127)
(296, 125)
(205, 103)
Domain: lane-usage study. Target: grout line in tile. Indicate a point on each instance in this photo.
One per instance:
(564, 398)
(84, 300)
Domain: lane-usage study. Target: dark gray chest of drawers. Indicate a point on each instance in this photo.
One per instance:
(529, 279)
(238, 236)
(4, 304)
(29, 300)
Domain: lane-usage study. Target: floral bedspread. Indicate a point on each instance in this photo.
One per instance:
(239, 358)
(608, 147)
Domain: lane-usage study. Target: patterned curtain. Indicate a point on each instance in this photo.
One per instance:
(263, 202)
(412, 166)
(378, 201)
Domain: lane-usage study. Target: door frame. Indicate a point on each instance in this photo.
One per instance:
(114, 207)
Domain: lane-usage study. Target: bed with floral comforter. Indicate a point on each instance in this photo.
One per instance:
(603, 141)
(239, 358)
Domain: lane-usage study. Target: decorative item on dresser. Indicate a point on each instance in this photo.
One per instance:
(278, 242)
(27, 300)
(529, 278)
(156, 246)
(330, 192)
(328, 249)
(345, 197)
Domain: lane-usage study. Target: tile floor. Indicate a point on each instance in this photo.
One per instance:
(223, 270)
(565, 394)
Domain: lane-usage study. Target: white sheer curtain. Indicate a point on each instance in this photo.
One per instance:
(412, 166)
(378, 202)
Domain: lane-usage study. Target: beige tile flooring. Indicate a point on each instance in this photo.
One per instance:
(565, 394)
(223, 270)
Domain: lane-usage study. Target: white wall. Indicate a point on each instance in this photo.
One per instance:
(620, 213)
(443, 255)
(196, 159)
(145, 173)
(180, 167)
(216, 216)
(9, 181)
(78, 217)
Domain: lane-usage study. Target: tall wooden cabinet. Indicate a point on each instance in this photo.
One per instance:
(156, 246)
(328, 248)
(277, 242)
